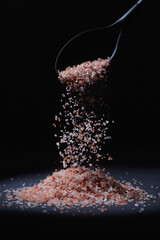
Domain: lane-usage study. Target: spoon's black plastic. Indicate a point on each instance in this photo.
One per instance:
(118, 24)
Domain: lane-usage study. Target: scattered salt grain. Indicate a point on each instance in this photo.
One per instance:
(136, 204)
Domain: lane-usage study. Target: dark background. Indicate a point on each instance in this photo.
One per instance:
(32, 34)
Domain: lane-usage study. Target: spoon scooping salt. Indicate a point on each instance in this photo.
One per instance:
(90, 71)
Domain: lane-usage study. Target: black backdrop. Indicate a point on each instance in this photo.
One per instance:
(32, 33)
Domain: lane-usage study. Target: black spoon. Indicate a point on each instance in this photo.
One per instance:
(117, 25)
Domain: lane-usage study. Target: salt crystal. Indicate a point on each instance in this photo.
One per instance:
(136, 204)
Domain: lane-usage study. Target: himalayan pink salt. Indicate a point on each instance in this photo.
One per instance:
(78, 186)
(79, 141)
(81, 75)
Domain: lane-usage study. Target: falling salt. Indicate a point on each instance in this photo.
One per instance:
(81, 137)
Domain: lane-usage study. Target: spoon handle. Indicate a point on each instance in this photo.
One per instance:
(125, 16)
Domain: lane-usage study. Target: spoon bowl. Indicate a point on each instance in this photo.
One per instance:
(93, 44)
